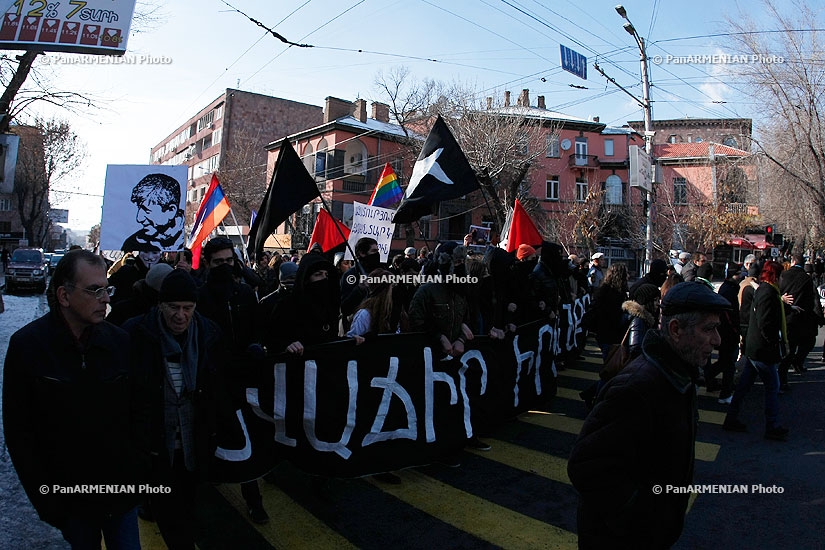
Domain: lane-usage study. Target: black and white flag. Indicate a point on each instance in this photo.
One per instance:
(441, 173)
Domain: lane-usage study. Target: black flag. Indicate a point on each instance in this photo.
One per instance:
(291, 188)
(440, 173)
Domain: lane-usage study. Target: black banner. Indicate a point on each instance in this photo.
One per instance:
(393, 402)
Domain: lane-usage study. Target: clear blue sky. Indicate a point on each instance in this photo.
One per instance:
(490, 45)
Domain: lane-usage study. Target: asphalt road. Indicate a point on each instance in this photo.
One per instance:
(515, 496)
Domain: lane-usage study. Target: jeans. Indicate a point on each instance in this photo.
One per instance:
(770, 378)
(120, 532)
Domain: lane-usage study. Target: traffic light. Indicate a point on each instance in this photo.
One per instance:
(769, 234)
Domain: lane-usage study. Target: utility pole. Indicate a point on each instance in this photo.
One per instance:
(648, 110)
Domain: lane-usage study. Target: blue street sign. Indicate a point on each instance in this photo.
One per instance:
(573, 62)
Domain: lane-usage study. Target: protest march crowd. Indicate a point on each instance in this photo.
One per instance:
(136, 375)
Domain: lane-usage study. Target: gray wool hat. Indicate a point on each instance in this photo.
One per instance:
(692, 296)
(156, 274)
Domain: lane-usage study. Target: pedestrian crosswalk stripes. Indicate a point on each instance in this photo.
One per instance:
(706, 416)
(488, 521)
(576, 373)
(528, 460)
(481, 504)
(291, 522)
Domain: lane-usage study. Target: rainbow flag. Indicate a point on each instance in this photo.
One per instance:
(213, 209)
(387, 193)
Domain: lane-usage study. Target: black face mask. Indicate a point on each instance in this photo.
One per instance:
(221, 275)
(317, 290)
(460, 270)
(371, 261)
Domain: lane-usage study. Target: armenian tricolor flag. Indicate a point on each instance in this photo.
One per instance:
(213, 209)
(387, 193)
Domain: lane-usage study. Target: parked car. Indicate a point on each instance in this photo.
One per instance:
(54, 259)
(27, 269)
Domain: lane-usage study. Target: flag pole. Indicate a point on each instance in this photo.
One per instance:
(338, 227)
(243, 246)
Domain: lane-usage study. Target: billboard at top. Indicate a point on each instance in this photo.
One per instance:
(73, 26)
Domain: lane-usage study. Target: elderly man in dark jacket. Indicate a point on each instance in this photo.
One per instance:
(179, 356)
(636, 448)
(802, 318)
(72, 411)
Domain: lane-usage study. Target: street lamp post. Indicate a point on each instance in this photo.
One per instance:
(648, 110)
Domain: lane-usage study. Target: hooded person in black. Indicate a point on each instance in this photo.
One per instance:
(310, 313)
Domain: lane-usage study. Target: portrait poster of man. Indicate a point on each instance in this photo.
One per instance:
(143, 208)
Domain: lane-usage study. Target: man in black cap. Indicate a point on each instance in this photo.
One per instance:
(639, 438)
(179, 356)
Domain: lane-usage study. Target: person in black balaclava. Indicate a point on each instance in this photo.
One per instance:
(232, 305)
(310, 313)
(353, 291)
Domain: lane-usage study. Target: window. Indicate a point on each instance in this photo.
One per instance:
(581, 190)
(730, 141)
(581, 151)
(552, 188)
(5, 205)
(613, 190)
(217, 135)
(699, 140)
(608, 147)
(522, 147)
(679, 191)
(219, 111)
(671, 138)
(5, 227)
(424, 227)
(553, 146)
(206, 120)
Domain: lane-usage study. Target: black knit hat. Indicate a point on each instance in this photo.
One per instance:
(646, 293)
(178, 286)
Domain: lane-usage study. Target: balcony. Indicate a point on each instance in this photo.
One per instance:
(583, 161)
(736, 208)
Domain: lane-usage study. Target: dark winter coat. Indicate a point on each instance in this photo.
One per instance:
(641, 433)
(437, 309)
(799, 284)
(641, 320)
(605, 315)
(72, 415)
(763, 340)
(215, 422)
(143, 298)
(304, 315)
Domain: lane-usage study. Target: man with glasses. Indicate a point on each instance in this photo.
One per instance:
(72, 411)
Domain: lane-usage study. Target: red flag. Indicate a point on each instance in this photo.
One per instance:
(522, 229)
(325, 233)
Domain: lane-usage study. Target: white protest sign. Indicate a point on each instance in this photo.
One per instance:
(371, 221)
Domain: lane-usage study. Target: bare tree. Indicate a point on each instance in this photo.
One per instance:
(787, 80)
(49, 152)
(714, 207)
(242, 172)
(500, 143)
